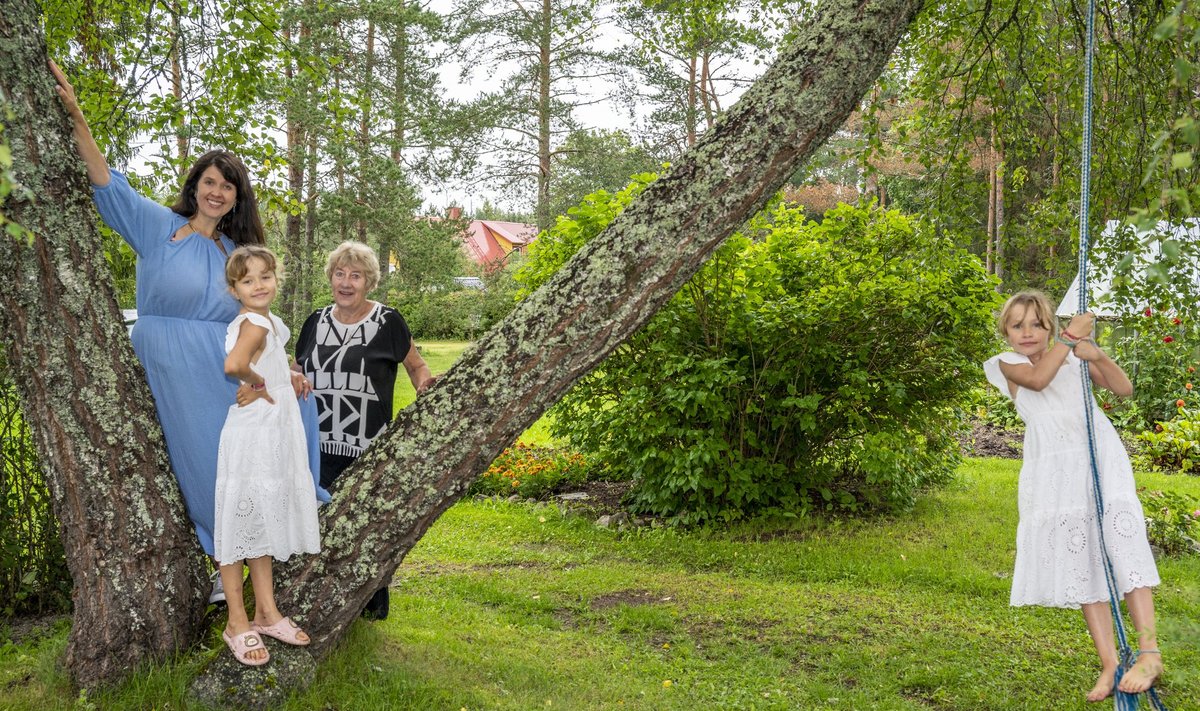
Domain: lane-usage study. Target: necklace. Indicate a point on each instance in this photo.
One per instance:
(215, 236)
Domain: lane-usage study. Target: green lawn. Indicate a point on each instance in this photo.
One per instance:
(440, 355)
(515, 606)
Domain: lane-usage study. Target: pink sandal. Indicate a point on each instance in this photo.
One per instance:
(284, 630)
(242, 644)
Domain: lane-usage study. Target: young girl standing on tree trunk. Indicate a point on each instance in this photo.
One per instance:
(1059, 558)
(265, 502)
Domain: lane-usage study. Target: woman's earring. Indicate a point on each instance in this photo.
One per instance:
(234, 210)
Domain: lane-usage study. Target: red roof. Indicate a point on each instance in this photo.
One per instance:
(491, 241)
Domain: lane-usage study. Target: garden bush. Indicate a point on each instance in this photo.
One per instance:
(1174, 444)
(530, 471)
(805, 366)
(1159, 351)
(1172, 521)
(33, 569)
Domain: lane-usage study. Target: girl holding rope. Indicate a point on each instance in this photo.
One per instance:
(1059, 557)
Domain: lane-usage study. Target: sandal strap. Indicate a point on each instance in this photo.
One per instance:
(1149, 651)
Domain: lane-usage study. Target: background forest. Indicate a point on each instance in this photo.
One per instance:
(357, 118)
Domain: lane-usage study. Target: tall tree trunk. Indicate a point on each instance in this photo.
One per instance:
(312, 264)
(139, 576)
(400, 83)
(990, 239)
(543, 139)
(399, 487)
(710, 111)
(181, 139)
(295, 256)
(364, 134)
(689, 110)
(999, 263)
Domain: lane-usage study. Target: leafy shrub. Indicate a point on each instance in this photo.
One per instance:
(989, 405)
(1159, 352)
(459, 314)
(805, 366)
(33, 567)
(1173, 444)
(530, 471)
(1172, 521)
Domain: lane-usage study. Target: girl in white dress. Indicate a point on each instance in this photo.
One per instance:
(266, 505)
(1059, 559)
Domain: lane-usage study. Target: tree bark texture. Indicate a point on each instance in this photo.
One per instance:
(138, 571)
(398, 488)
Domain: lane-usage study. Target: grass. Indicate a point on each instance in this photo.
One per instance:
(440, 355)
(515, 606)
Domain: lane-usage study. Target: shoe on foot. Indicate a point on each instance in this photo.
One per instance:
(243, 644)
(217, 596)
(285, 631)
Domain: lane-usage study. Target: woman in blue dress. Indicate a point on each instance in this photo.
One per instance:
(184, 305)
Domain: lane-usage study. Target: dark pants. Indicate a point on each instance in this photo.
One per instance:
(332, 466)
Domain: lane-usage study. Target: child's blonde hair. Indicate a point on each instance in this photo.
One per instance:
(236, 267)
(1030, 298)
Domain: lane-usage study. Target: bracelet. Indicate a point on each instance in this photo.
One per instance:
(259, 387)
(1067, 333)
(1068, 343)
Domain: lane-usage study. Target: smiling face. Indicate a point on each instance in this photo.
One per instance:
(257, 287)
(1025, 331)
(349, 283)
(215, 195)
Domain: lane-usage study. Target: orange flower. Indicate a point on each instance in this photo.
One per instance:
(1179, 403)
(1188, 386)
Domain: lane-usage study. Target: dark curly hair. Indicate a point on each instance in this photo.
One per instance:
(241, 224)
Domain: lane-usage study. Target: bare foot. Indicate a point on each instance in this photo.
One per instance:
(1104, 686)
(1143, 674)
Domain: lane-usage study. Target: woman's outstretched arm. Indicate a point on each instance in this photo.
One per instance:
(97, 164)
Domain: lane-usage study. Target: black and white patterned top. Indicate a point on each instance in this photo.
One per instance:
(353, 369)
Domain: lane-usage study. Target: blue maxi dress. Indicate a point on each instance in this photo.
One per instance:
(184, 307)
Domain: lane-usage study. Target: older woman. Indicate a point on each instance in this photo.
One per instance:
(351, 351)
(184, 305)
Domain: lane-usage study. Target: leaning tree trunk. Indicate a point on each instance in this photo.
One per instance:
(138, 573)
(398, 488)
(131, 548)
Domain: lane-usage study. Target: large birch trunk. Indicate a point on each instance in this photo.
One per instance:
(132, 552)
(138, 571)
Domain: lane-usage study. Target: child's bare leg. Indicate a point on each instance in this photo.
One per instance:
(1149, 665)
(239, 622)
(1099, 624)
(265, 611)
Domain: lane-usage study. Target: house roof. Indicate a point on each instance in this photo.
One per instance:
(489, 241)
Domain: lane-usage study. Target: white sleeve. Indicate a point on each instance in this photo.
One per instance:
(991, 368)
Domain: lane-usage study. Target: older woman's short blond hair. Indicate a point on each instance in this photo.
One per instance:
(1029, 299)
(354, 255)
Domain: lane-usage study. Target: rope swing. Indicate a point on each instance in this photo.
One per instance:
(1123, 701)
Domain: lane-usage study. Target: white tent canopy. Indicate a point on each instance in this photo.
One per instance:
(1100, 281)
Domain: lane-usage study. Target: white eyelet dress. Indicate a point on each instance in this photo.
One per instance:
(265, 500)
(1059, 559)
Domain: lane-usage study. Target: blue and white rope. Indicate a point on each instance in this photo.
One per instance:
(1122, 700)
